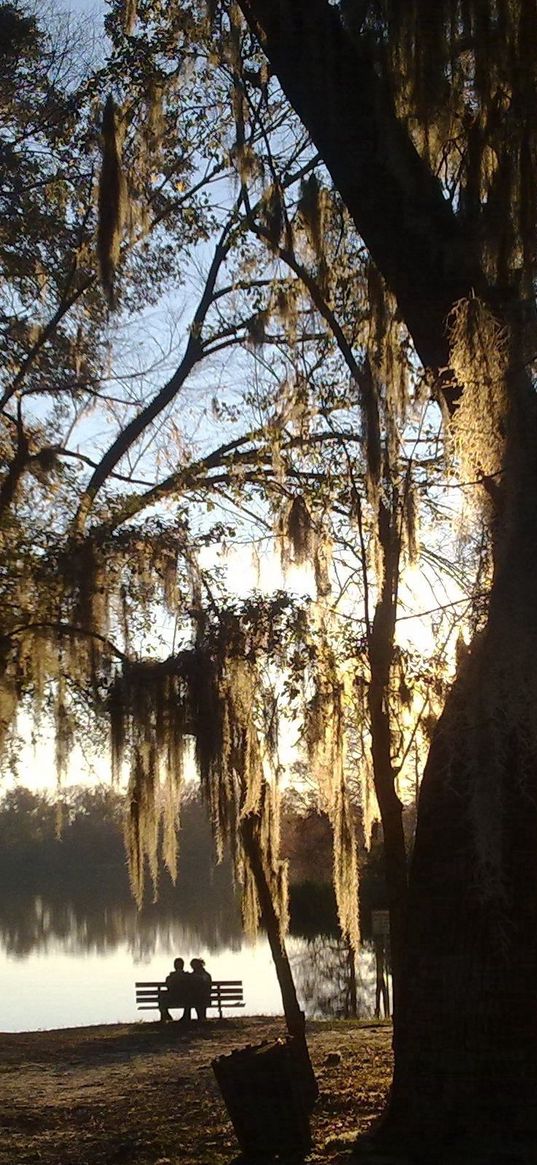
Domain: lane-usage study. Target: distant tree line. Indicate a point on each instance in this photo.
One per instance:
(43, 840)
(75, 844)
(77, 841)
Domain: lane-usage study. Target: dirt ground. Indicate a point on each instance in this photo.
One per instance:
(145, 1094)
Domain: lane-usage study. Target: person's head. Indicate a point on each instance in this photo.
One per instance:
(197, 964)
(178, 964)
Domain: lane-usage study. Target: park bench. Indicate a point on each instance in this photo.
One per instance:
(224, 993)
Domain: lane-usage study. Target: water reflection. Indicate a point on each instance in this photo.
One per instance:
(95, 926)
(98, 923)
(72, 940)
(72, 890)
(325, 983)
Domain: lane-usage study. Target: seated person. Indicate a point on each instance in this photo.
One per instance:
(176, 992)
(200, 987)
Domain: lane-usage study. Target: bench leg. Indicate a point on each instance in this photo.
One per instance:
(165, 1016)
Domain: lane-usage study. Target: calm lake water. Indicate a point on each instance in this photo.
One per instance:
(70, 963)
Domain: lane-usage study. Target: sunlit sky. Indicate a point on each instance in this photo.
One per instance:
(245, 571)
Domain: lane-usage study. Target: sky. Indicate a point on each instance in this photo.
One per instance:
(243, 575)
(94, 8)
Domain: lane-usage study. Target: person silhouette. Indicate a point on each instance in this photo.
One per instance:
(201, 988)
(176, 992)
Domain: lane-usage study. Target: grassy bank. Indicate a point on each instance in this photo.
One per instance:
(143, 1094)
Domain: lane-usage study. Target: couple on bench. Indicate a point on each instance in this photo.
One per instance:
(187, 989)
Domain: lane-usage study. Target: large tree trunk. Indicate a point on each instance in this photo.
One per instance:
(395, 200)
(466, 1032)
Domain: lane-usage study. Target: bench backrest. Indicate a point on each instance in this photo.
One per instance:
(224, 993)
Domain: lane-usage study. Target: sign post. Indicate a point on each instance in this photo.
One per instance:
(380, 927)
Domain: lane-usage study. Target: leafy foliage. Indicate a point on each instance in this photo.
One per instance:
(319, 435)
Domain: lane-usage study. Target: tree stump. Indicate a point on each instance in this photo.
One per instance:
(269, 1096)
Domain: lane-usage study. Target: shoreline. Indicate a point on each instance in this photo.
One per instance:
(136, 1024)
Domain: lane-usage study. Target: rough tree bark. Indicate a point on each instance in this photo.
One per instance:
(466, 1065)
(466, 1068)
(396, 202)
(466, 1036)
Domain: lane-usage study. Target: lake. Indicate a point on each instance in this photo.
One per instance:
(70, 962)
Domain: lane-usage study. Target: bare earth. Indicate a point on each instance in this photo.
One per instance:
(145, 1093)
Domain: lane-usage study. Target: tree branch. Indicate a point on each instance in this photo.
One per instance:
(397, 204)
(70, 629)
(193, 353)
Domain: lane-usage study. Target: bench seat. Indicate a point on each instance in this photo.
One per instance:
(224, 993)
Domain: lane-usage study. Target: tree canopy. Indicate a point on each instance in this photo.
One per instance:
(284, 294)
(335, 206)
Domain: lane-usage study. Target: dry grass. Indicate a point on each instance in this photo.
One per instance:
(145, 1094)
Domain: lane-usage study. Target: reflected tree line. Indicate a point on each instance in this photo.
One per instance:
(64, 879)
(64, 882)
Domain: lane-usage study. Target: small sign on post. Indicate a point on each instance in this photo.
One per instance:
(380, 923)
